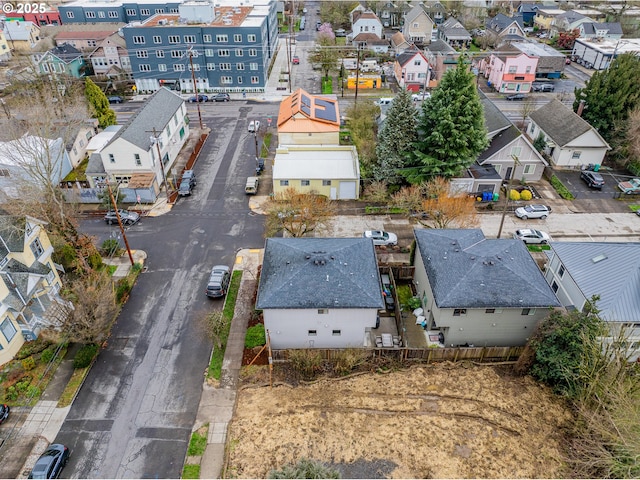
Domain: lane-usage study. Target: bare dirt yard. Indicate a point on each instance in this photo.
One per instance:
(426, 421)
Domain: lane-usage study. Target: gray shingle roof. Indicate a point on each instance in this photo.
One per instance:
(440, 46)
(156, 113)
(319, 273)
(12, 229)
(499, 141)
(501, 21)
(560, 123)
(612, 28)
(615, 278)
(95, 164)
(466, 270)
(65, 52)
(494, 119)
(407, 56)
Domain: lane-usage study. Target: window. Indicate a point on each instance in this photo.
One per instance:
(159, 10)
(313, 333)
(239, 66)
(490, 310)
(223, 53)
(304, 183)
(528, 69)
(326, 183)
(253, 52)
(239, 80)
(4, 173)
(253, 66)
(144, 67)
(101, 14)
(36, 248)
(554, 287)
(162, 67)
(576, 154)
(174, 10)
(225, 66)
(417, 62)
(251, 38)
(91, 14)
(176, 54)
(138, 40)
(207, 38)
(211, 66)
(284, 183)
(113, 14)
(222, 38)
(157, 39)
(208, 52)
(237, 37)
(145, 11)
(239, 52)
(69, 14)
(159, 53)
(8, 329)
(189, 39)
(136, 156)
(142, 54)
(513, 69)
(529, 169)
(323, 311)
(457, 312)
(112, 159)
(174, 38)
(255, 80)
(195, 68)
(561, 271)
(226, 80)
(336, 333)
(516, 151)
(528, 311)
(178, 67)
(131, 11)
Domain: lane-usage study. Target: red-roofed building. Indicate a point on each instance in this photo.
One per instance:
(306, 119)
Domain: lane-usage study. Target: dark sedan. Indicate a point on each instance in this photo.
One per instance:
(221, 97)
(51, 462)
(198, 99)
(516, 96)
(4, 412)
(592, 179)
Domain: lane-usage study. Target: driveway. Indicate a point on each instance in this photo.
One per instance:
(588, 199)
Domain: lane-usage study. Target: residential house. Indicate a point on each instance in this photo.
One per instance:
(49, 16)
(568, 22)
(398, 43)
(452, 32)
(85, 40)
(29, 283)
(305, 119)
(61, 59)
(357, 10)
(319, 292)
(392, 14)
(418, 26)
(111, 57)
(598, 53)
(502, 29)
(509, 72)
(79, 141)
(28, 160)
(578, 271)
(5, 51)
(365, 22)
(528, 11)
(551, 62)
(135, 160)
(545, 17)
(233, 47)
(21, 36)
(369, 41)
(411, 69)
(595, 30)
(436, 11)
(479, 291)
(441, 57)
(570, 140)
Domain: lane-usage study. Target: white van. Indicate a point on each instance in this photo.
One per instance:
(383, 101)
(251, 187)
(369, 66)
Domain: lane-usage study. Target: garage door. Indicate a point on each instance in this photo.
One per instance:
(347, 191)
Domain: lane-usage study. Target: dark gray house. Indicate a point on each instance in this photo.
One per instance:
(319, 292)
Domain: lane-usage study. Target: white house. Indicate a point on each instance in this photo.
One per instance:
(577, 271)
(319, 292)
(142, 153)
(570, 140)
(479, 291)
(365, 22)
(418, 25)
(111, 57)
(411, 69)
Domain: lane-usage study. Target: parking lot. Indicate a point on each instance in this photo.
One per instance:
(571, 179)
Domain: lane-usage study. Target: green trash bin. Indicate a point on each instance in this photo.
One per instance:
(596, 167)
(496, 197)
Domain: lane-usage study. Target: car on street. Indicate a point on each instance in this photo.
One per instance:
(198, 99)
(341, 32)
(51, 462)
(185, 188)
(4, 412)
(296, 60)
(592, 179)
(418, 97)
(254, 126)
(530, 235)
(533, 211)
(127, 217)
(542, 87)
(516, 96)
(259, 166)
(630, 186)
(218, 281)
(115, 99)
(221, 97)
(381, 237)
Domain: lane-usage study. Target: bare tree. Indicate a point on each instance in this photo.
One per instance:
(298, 214)
(526, 108)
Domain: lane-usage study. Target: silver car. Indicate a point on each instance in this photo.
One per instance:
(533, 211)
(531, 235)
(380, 237)
(127, 217)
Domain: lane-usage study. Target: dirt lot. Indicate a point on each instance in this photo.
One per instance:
(437, 421)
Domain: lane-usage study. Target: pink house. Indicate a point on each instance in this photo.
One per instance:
(411, 69)
(509, 73)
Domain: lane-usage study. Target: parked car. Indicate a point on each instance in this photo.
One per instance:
(221, 97)
(4, 412)
(198, 99)
(630, 186)
(218, 281)
(318, 25)
(184, 190)
(126, 217)
(254, 126)
(530, 235)
(516, 96)
(341, 32)
(380, 237)
(296, 60)
(251, 187)
(51, 462)
(418, 97)
(190, 177)
(592, 179)
(542, 87)
(533, 211)
(115, 99)
(259, 166)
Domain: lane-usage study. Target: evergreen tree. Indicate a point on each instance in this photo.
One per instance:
(609, 96)
(395, 139)
(99, 104)
(451, 131)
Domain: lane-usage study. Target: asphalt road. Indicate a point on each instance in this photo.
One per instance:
(134, 414)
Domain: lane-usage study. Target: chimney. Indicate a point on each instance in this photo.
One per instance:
(580, 108)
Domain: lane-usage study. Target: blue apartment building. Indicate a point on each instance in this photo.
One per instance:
(87, 11)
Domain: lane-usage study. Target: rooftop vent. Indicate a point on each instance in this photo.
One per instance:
(599, 258)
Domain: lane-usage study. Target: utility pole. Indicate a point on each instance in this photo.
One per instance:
(195, 89)
(516, 162)
(290, 53)
(155, 140)
(357, 73)
(255, 137)
(124, 236)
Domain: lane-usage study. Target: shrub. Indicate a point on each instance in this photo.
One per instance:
(95, 260)
(47, 355)
(306, 362)
(28, 363)
(305, 468)
(33, 391)
(514, 195)
(85, 355)
(414, 302)
(525, 195)
(346, 360)
(561, 189)
(11, 394)
(123, 287)
(23, 385)
(255, 336)
(111, 247)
